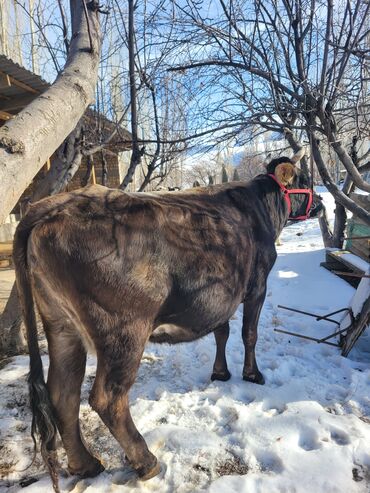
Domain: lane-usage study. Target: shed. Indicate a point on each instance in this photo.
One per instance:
(19, 86)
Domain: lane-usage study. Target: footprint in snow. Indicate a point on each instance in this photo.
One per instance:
(247, 398)
(273, 408)
(308, 439)
(340, 437)
(269, 462)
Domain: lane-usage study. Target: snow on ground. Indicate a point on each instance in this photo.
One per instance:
(306, 430)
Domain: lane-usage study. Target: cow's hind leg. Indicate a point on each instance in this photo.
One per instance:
(252, 310)
(220, 370)
(66, 371)
(118, 362)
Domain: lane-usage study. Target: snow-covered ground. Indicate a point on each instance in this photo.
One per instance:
(306, 430)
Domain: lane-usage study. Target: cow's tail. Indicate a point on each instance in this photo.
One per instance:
(43, 417)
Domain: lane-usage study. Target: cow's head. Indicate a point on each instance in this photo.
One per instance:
(295, 184)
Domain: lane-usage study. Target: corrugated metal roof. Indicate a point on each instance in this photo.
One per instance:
(22, 75)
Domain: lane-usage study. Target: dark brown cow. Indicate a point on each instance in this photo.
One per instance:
(111, 270)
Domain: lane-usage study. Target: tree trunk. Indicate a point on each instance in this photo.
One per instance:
(326, 233)
(12, 340)
(59, 173)
(136, 151)
(29, 139)
(338, 195)
(339, 225)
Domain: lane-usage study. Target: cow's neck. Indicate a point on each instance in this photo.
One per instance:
(275, 204)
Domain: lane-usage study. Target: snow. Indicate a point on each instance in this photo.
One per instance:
(306, 430)
(356, 261)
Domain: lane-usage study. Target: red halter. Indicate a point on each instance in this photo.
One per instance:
(286, 194)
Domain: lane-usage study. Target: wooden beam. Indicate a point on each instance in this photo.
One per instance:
(93, 175)
(4, 81)
(5, 116)
(18, 83)
(16, 103)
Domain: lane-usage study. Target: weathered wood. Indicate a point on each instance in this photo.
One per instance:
(361, 199)
(4, 80)
(357, 228)
(336, 261)
(358, 327)
(11, 81)
(16, 103)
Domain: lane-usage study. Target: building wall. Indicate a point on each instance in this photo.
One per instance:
(113, 177)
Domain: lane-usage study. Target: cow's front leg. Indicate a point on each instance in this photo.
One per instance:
(251, 314)
(220, 370)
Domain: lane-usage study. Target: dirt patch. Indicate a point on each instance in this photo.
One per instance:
(232, 466)
(228, 465)
(7, 464)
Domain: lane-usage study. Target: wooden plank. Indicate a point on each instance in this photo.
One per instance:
(17, 102)
(20, 84)
(6, 248)
(361, 199)
(354, 281)
(361, 250)
(4, 81)
(357, 328)
(93, 174)
(335, 261)
(340, 256)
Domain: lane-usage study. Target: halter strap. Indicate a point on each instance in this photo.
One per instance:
(286, 194)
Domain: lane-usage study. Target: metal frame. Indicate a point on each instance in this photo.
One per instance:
(324, 340)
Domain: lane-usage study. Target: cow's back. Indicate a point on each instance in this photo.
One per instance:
(179, 258)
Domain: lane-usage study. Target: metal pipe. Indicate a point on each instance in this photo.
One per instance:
(318, 317)
(319, 341)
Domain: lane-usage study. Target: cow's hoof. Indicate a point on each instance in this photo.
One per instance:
(224, 376)
(256, 377)
(145, 474)
(90, 471)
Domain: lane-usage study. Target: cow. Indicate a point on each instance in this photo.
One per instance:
(110, 271)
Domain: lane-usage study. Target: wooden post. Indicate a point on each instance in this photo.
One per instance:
(93, 174)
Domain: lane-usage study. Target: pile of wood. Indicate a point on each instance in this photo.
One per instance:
(346, 266)
(358, 233)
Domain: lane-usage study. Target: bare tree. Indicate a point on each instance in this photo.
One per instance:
(294, 68)
(205, 172)
(158, 115)
(250, 166)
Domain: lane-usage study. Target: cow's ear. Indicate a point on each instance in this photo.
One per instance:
(285, 173)
(298, 155)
